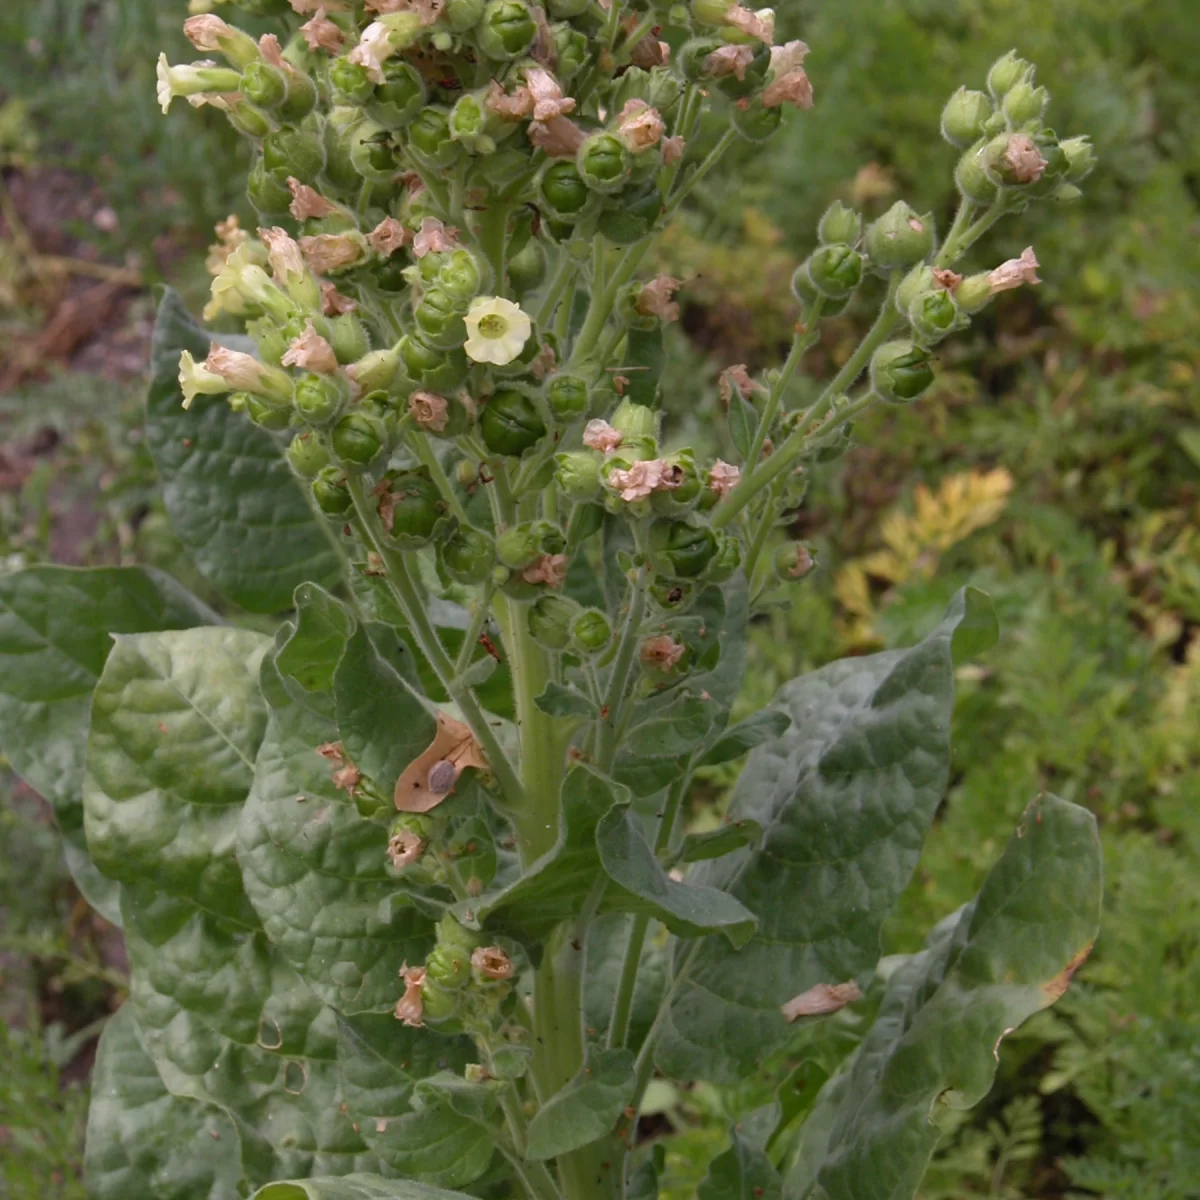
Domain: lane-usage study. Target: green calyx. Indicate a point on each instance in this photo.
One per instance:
(900, 371)
(506, 29)
(330, 492)
(510, 423)
(901, 238)
(411, 508)
(468, 556)
(835, 270)
(524, 544)
(358, 439)
(680, 550)
(604, 163)
(307, 454)
(550, 620)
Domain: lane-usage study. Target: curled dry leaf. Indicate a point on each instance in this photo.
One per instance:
(820, 1000)
(433, 774)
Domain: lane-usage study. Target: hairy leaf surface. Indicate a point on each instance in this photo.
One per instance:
(587, 1108)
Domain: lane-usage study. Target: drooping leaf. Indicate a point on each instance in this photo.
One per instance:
(142, 1141)
(352, 1187)
(177, 718)
(55, 624)
(743, 737)
(232, 499)
(643, 886)
(316, 870)
(743, 1172)
(845, 797)
(587, 1108)
(382, 721)
(985, 970)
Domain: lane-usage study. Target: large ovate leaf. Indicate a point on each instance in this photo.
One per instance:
(587, 1108)
(177, 718)
(845, 798)
(316, 870)
(142, 1141)
(1006, 955)
(743, 1172)
(55, 627)
(353, 1187)
(232, 499)
(599, 837)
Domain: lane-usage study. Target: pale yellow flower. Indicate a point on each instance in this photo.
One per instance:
(497, 330)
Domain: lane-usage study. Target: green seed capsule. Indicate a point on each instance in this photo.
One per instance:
(604, 163)
(933, 315)
(972, 179)
(506, 29)
(757, 124)
(318, 400)
(439, 320)
(526, 543)
(348, 337)
(510, 423)
(440, 371)
(262, 412)
(793, 562)
(591, 632)
(330, 492)
(462, 15)
(458, 276)
(429, 137)
(563, 191)
(297, 152)
(680, 550)
(835, 270)
(263, 85)
(564, 10)
(398, 99)
(627, 219)
(900, 371)
(350, 81)
(268, 192)
(372, 153)
(468, 556)
(411, 507)
(568, 398)
(527, 270)
(358, 439)
(550, 619)
(726, 561)
(307, 455)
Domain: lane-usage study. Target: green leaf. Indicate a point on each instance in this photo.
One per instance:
(743, 423)
(352, 1187)
(845, 796)
(699, 847)
(316, 870)
(642, 365)
(142, 1141)
(177, 718)
(587, 1108)
(645, 887)
(743, 1172)
(560, 701)
(55, 624)
(608, 938)
(233, 501)
(743, 737)
(678, 729)
(313, 650)
(985, 970)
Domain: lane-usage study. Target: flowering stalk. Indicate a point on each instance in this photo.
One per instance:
(457, 198)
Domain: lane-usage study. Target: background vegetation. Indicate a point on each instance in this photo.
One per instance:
(1057, 465)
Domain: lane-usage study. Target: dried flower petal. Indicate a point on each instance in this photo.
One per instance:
(322, 34)
(429, 410)
(434, 237)
(271, 50)
(559, 137)
(548, 98)
(723, 478)
(1023, 159)
(331, 251)
(729, 60)
(311, 352)
(760, 24)
(638, 481)
(308, 202)
(453, 743)
(672, 150)
(409, 1007)
(600, 435)
(792, 88)
(515, 107)
(388, 236)
(821, 999)
(655, 298)
(945, 278)
(333, 303)
(735, 377)
(491, 962)
(663, 652)
(550, 569)
(283, 254)
(1015, 272)
(405, 848)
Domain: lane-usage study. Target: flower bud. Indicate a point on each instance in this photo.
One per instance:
(1006, 72)
(526, 543)
(294, 152)
(567, 398)
(330, 492)
(398, 99)
(835, 270)
(439, 321)
(964, 117)
(563, 192)
(577, 475)
(510, 423)
(348, 337)
(1080, 156)
(319, 399)
(506, 30)
(974, 293)
(411, 508)
(794, 561)
(840, 224)
(972, 180)
(307, 455)
(550, 619)
(1024, 103)
(604, 163)
(634, 421)
(900, 238)
(679, 550)
(358, 439)
(591, 632)
(468, 556)
(376, 371)
(900, 372)
(208, 33)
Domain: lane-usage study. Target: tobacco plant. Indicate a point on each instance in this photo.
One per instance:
(410, 900)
